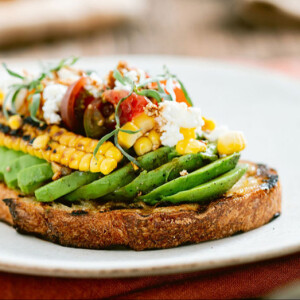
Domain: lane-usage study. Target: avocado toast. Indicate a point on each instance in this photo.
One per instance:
(123, 161)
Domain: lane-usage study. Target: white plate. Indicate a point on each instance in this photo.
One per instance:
(265, 106)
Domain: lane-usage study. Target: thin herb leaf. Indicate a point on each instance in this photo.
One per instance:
(170, 90)
(128, 156)
(14, 97)
(187, 97)
(150, 94)
(65, 62)
(129, 131)
(118, 76)
(103, 140)
(34, 106)
(12, 73)
(150, 80)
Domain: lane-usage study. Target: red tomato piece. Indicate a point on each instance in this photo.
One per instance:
(73, 105)
(131, 107)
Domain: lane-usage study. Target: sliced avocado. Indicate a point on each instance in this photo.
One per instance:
(9, 157)
(33, 177)
(207, 191)
(20, 163)
(64, 185)
(193, 179)
(3, 151)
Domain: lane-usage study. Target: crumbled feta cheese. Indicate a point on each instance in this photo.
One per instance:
(173, 116)
(136, 75)
(53, 95)
(94, 84)
(68, 75)
(216, 133)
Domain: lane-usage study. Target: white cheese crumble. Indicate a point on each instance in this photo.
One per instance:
(53, 95)
(173, 116)
(94, 84)
(136, 75)
(214, 135)
(68, 75)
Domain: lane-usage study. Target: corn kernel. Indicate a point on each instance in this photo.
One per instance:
(188, 133)
(181, 146)
(38, 153)
(142, 146)
(114, 152)
(154, 138)
(209, 125)
(54, 129)
(85, 162)
(23, 145)
(15, 122)
(195, 146)
(7, 141)
(96, 163)
(104, 147)
(73, 141)
(91, 146)
(144, 122)
(82, 144)
(127, 140)
(75, 159)
(1, 97)
(57, 153)
(231, 142)
(41, 142)
(66, 156)
(15, 143)
(108, 165)
(66, 138)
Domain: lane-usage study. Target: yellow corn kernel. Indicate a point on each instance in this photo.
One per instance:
(108, 165)
(57, 135)
(231, 142)
(142, 146)
(66, 138)
(127, 140)
(91, 146)
(23, 145)
(30, 150)
(72, 142)
(2, 135)
(57, 153)
(85, 162)
(1, 97)
(114, 153)
(54, 129)
(38, 153)
(66, 156)
(195, 146)
(82, 143)
(154, 138)
(75, 159)
(188, 133)
(104, 147)
(41, 142)
(15, 122)
(15, 143)
(96, 163)
(144, 122)
(7, 141)
(181, 146)
(47, 154)
(209, 125)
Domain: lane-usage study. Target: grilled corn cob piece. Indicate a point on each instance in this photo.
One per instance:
(58, 145)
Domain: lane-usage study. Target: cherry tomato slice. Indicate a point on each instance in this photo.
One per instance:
(129, 108)
(93, 120)
(73, 105)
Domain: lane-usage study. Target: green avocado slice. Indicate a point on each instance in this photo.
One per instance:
(8, 157)
(64, 185)
(193, 179)
(33, 177)
(20, 163)
(207, 191)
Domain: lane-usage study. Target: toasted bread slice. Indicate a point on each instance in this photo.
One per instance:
(251, 203)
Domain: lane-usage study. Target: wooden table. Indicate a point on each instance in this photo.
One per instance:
(180, 27)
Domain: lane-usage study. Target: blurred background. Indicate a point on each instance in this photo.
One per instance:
(230, 29)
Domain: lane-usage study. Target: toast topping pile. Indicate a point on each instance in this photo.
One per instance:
(68, 134)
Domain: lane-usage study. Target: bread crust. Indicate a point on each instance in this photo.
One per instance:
(253, 202)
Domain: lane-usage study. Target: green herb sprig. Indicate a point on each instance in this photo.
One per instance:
(32, 85)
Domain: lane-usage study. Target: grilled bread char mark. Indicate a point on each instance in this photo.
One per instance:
(251, 203)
